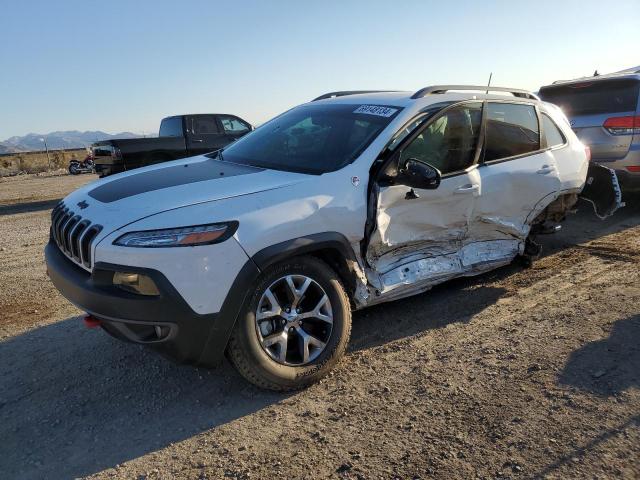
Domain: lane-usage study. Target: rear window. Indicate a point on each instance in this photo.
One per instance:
(171, 127)
(315, 138)
(551, 132)
(512, 129)
(593, 98)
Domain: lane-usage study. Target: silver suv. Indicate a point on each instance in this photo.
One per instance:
(604, 112)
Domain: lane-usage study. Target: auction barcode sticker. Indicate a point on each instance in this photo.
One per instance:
(376, 110)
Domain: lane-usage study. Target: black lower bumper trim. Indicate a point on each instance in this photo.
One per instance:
(184, 335)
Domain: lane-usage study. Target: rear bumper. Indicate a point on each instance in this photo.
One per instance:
(164, 322)
(628, 180)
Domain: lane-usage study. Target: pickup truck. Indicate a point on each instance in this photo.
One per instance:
(179, 136)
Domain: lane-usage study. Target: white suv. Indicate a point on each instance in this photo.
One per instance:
(264, 248)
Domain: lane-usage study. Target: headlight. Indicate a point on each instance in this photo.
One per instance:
(179, 237)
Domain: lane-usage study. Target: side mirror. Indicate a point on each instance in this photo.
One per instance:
(417, 174)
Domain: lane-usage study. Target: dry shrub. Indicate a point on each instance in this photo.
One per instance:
(36, 162)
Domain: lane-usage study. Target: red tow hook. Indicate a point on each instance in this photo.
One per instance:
(91, 322)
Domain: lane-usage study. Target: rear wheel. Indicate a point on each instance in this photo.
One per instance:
(532, 252)
(295, 326)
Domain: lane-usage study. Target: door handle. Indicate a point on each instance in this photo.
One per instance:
(197, 140)
(545, 169)
(468, 188)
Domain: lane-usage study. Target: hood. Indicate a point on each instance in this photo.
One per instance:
(116, 201)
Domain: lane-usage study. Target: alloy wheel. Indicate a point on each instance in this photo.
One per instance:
(294, 320)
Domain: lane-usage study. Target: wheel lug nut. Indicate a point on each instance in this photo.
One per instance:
(298, 310)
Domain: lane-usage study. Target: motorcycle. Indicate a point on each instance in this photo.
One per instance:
(77, 167)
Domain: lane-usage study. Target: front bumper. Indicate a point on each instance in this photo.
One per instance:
(164, 322)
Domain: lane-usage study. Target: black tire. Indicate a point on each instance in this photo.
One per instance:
(532, 252)
(73, 169)
(250, 358)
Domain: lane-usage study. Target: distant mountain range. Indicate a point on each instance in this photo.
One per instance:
(58, 140)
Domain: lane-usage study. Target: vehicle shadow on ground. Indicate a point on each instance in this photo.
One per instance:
(75, 401)
(456, 301)
(460, 299)
(580, 452)
(28, 207)
(609, 366)
(605, 368)
(584, 226)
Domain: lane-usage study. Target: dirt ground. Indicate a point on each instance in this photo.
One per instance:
(514, 374)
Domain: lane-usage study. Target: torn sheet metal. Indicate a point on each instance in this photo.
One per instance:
(498, 227)
(473, 258)
(424, 240)
(434, 219)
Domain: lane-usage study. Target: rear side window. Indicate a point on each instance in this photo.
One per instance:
(233, 125)
(204, 126)
(551, 132)
(512, 129)
(449, 142)
(171, 127)
(593, 98)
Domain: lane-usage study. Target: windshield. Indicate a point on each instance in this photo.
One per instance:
(591, 98)
(312, 138)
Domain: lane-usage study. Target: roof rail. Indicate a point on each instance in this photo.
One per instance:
(435, 89)
(348, 92)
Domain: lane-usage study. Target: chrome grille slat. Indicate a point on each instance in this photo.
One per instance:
(83, 260)
(73, 235)
(55, 214)
(74, 238)
(63, 227)
(69, 228)
(54, 225)
(87, 239)
(61, 221)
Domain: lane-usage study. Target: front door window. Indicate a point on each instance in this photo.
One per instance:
(449, 143)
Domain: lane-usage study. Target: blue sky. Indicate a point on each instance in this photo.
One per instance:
(123, 65)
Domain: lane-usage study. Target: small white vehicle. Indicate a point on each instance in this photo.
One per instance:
(262, 249)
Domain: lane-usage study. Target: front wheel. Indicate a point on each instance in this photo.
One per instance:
(294, 327)
(74, 169)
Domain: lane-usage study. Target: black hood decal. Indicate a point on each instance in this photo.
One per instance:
(173, 176)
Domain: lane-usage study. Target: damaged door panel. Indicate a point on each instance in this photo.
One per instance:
(410, 219)
(419, 229)
(602, 190)
(498, 184)
(517, 177)
(511, 191)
